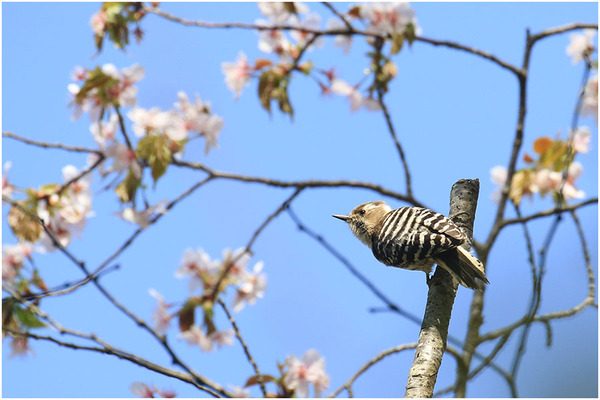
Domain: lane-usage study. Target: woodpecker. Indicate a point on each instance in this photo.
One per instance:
(415, 238)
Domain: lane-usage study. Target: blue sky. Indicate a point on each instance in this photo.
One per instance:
(455, 115)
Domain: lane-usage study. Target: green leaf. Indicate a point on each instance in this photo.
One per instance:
(410, 34)
(156, 150)
(28, 318)
(127, 188)
(266, 84)
(397, 42)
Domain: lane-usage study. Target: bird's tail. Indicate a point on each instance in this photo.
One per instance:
(464, 266)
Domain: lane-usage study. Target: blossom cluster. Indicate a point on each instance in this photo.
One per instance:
(204, 273)
(176, 124)
(102, 88)
(310, 369)
(394, 20)
(545, 175)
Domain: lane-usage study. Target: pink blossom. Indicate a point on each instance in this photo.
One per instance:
(141, 390)
(581, 139)
(239, 392)
(388, 18)
(499, 174)
(343, 88)
(569, 190)
(274, 41)
(546, 180)
(196, 337)
(147, 121)
(222, 338)
(237, 74)
(79, 74)
(12, 260)
(238, 271)
(589, 105)
(142, 218)
(123, 158)
(343, 41)
(199, 266)
(98, 23)
(309, 369)
(161, 316)
(311, 22)
(277, 13)
(252, 287)
(19, 346)
(581, 45)
(7, 188)
(104, 132)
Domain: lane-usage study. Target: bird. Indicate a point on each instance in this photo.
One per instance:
(415, 238)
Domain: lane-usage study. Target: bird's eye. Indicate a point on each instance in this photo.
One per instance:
(362, 212)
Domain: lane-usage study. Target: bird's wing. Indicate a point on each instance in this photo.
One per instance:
(410, 235)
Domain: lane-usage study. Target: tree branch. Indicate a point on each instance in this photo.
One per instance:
(442, 291)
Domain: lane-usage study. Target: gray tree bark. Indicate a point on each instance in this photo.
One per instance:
(440, 299)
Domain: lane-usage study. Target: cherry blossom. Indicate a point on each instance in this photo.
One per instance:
(357, 101)
(161, 316)
(222, 338)
(581, 139)
(252, 287)
(199, 266)
(19, 346)
(311, 22)
(79, 74)
(123, 158)
(98, 23)
(196, 337)
(309, 369)
(104, 132)
(388, 18)
(147, 121)
(12, 260)
(141, 390)
(144, 217)
(238, 271)
(66, 214)
(343, 41)
(237, 74)
(121, 90)
(277, 12)
(7, 188)
(499, 174)
(581, 46)
(569, 190)
(589, 105)
(239, 392)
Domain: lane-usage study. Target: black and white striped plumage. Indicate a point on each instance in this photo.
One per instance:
(415, 238)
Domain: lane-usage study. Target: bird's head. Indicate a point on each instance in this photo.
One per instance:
(364, 218)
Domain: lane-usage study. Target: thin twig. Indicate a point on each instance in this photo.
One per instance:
(45, 145)
(253, 238)
(259, 378)
(548, 213)
(369, 364)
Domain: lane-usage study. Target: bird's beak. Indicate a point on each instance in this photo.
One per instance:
(342, 217)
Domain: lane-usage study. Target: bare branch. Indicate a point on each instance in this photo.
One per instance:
(369, 364)
(300, 184)
(549, 213)
(245, 347)
(45, 145)
(440, 299)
